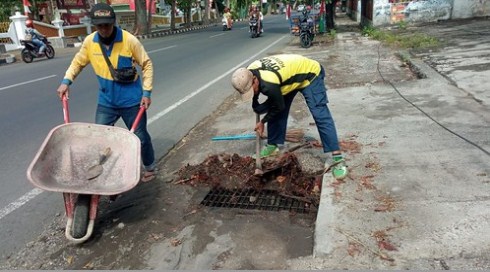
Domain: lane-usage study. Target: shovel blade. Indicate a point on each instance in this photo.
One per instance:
(94, 171)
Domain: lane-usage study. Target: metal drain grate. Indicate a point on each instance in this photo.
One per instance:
(269, 200)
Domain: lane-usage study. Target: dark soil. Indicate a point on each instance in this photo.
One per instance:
(283, 173)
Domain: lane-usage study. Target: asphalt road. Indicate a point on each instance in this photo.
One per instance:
(191, 79)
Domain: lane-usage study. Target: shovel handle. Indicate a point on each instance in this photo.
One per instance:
(138, 118)
(258, 162)
(104, 155)
(66, 111)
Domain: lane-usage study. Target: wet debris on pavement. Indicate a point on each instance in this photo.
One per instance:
(283, 174)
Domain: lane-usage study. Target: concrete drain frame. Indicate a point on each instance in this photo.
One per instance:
(252, 199)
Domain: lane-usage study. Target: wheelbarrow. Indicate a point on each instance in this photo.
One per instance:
(69, 151)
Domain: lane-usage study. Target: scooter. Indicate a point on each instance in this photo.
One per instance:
(30, 51)
(226, 25)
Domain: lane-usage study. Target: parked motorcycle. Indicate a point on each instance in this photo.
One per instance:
(306, 34)
(254, 25)
(30, 51)
(306, 30)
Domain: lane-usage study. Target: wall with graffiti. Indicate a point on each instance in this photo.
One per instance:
(471, 8)
(387, 12)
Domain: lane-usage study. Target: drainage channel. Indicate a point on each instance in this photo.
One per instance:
(252, 199)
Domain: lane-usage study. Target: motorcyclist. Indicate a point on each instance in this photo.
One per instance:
(36, 37)
(255, 12)
(306, 18)
(305, 14)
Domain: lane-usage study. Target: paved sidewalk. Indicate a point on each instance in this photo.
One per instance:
(417, 197)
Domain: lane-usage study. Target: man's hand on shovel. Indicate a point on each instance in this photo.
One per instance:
(259, 129)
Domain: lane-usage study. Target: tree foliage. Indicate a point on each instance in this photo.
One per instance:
(8, 7)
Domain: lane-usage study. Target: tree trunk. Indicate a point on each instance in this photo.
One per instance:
(189, 16)
(172, 15)
(330, 14)
(206, 13)
(150, 6)
(141, 25)
(216, 9)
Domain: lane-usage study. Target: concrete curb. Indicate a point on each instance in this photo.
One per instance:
(7, 58)
(169, 32)
(78, 44)
(157, 34)
(324, 232)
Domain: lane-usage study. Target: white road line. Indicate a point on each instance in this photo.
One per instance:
(33, 193)
(26, 82)
(161, 49)
(189, 96)
(19, 202)
(217, 35)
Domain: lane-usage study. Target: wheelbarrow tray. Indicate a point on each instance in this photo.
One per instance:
(70, 149)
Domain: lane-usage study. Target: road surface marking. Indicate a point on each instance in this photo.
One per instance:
(19, 202)
(217, 35)
(161, 49)
(26, 82)
(35, 192)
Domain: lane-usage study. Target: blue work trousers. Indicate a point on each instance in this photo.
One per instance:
(316, 100)
(109, 116)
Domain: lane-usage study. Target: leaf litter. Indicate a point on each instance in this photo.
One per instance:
(232, 171)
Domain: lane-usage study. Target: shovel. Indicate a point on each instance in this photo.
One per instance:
(258, 162)
(95, 170)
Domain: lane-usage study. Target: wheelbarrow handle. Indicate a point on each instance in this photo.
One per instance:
(138, 118)
(66, 111)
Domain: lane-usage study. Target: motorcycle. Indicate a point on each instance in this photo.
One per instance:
(306, 33)
(254, 25)
(30, 51)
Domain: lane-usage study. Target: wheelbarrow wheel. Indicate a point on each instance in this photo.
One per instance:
(81, 216)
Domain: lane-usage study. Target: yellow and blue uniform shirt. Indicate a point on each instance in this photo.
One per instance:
(279, 75)
(124, 51)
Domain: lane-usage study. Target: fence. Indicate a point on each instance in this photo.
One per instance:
(8, 36)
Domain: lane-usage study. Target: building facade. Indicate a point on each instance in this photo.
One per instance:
(387, 12)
